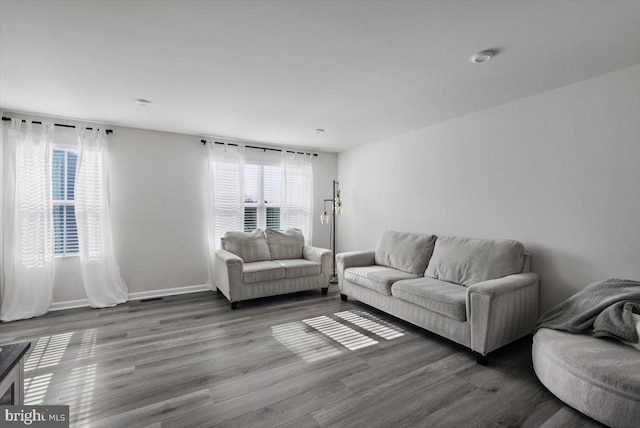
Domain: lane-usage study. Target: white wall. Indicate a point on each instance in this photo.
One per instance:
(559, 171)
(1, 205)
(158, 200)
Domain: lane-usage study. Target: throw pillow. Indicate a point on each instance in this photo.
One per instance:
(466, 261)
(250, 247)
(285, 244)
(408, 252)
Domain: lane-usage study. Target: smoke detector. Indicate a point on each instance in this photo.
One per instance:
(142, 102)
(483, 56)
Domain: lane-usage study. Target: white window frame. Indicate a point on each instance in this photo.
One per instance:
(63, 202)
(261, 205)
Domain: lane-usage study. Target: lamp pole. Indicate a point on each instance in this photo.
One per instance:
(336, 209)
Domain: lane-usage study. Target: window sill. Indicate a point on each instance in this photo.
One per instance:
(66, 256)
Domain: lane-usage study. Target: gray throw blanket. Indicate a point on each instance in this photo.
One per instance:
(604, 308)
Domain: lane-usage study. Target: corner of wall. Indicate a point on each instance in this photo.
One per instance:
(1, 204)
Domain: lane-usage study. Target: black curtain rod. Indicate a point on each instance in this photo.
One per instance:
(62, 125)
(262, 148)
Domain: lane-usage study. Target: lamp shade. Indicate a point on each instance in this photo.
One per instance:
(324, 218)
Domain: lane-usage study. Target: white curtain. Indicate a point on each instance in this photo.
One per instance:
(297, 193)
(100, 272)
(225, 190)
(28, 262)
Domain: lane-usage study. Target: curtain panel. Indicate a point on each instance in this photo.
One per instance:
(100, 272)
(297, 193)
(225, 194)
(28, 265)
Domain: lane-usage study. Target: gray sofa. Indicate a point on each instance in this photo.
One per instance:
(268, 263)
(479, 293)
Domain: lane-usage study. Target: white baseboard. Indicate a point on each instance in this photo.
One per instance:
(70, 304)
(168, 292)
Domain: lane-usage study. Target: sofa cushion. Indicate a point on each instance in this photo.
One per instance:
(439, 296)
(377, 278)
(250, 247)
(468, 261)
(261, 271)
(285, 244)
(408, 252)
(295, 268)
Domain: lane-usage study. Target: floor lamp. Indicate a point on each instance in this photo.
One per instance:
(336, 209)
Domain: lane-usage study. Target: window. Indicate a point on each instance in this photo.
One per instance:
(65, 231)
(262, 185)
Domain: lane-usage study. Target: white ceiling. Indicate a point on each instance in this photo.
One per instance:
(274, 71)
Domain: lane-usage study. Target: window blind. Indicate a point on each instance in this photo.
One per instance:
(273, 217)
(65, 231)
(250, 218)
(262, 197)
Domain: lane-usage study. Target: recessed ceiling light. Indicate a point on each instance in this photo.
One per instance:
(319, 131)
(483, 56)
(142, 102)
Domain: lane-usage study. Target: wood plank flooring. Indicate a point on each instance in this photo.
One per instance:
(301, 360)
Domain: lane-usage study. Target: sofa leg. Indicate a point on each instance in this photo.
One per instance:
(483, 360)
(325, 290)
(234, 305)
(343, 297)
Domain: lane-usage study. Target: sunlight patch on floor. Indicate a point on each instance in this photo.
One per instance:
(48, 351)
(371, 323)
(323, 337)
(88, 344)
(346, 336)
(35, 389)
(304, 341)
(78, 389)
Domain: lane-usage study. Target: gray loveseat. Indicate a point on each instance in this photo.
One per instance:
(268, 263)
(479, 293)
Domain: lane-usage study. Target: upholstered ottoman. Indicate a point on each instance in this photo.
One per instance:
(599, 377)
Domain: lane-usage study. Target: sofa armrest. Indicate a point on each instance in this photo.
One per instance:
(353, 259)
(322, 256)
(502, 310)
(316, 254)
(227, 274)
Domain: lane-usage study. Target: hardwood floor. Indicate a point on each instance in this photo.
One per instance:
(302, 360)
